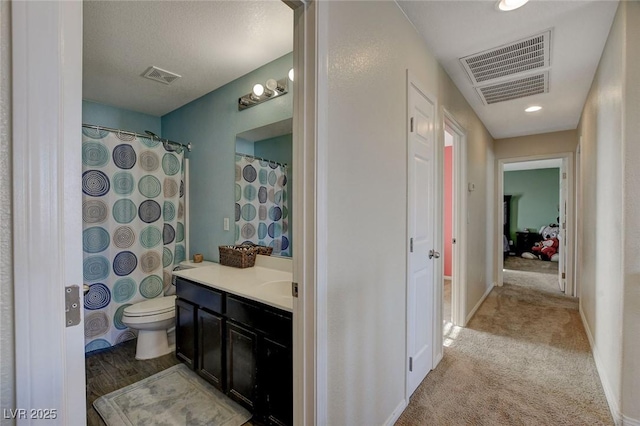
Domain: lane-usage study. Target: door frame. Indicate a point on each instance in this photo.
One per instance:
(47, 201)
(437, 330)
(459, 258)
(577, 225)
(48, 37)
(570, 216)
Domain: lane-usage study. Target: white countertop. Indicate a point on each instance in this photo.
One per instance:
(265, 285)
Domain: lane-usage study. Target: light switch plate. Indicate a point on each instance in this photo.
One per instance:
(226, 223)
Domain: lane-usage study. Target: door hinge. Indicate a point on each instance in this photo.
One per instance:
(411, 245)
(564, 175)
(410, 363)
(411, 124)
(294, 289)
(564, 276)
(72, 305)
(564, 226)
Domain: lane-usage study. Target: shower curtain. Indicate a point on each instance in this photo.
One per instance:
(262, 212)
(133, 228)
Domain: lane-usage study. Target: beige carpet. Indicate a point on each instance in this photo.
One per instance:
(516, 263)
(524, 359)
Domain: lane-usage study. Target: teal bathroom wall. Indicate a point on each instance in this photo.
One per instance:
(211, 123)
(277, 149)
(535, 196)
(119, 118)
(244, 146)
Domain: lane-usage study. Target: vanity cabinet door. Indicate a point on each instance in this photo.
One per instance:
(276, 382)
(186, 332)
(211, 347)
(242, 354)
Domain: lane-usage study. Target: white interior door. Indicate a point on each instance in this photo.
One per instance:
(47, 170)
(421, 220)
(562, 213)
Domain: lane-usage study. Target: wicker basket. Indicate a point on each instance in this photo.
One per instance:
(242, 256)
(263, 250)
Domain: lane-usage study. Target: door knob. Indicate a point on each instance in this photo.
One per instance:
(433, 253)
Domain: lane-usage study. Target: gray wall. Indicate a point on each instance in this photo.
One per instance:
(365, 134)
(609, 231)
(7, 361)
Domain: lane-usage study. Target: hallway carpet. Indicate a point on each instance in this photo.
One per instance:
(524, 359)
(516, 263)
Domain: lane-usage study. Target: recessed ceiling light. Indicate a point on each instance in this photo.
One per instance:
(533, 108)
(507, 5)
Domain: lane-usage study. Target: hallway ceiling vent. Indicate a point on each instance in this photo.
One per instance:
(158, 74)
(514, 89)
(522, 56)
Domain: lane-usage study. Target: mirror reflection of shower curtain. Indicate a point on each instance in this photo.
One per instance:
(133, 228)
(262, 211)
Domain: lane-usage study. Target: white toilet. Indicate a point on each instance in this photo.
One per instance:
(155, 321)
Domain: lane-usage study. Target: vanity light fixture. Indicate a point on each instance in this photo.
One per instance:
(533, 108)
(509, 5)
(271, 89)
(291, 74)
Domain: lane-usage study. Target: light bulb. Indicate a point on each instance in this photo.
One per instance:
(271, 84)
(533, 108)
(291, 74)
(507, 5)
(258, 89)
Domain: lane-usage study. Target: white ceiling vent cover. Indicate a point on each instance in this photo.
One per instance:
(158, 74)
(514, 89)
(521, 56)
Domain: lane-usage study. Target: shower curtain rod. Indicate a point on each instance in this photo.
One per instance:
(263, 159)
(147, 136)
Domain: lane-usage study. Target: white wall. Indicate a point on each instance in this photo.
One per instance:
(631, 228)
(369, 46)
(610, 232)
(540, 144)
(7, 378)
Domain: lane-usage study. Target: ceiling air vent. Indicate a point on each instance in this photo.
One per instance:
(514, 89)
(521, 56)
(158, 74)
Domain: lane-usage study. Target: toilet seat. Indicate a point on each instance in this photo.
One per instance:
(157, 306)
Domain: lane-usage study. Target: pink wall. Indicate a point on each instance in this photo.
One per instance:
(448, 209)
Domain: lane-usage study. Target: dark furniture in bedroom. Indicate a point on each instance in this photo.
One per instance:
(526, 240)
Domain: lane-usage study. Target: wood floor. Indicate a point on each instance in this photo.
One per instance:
(114, 368)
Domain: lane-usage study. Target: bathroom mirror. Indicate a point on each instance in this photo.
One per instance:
(263, 187)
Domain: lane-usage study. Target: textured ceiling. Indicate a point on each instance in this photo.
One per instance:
(208, 43)
(455, 29)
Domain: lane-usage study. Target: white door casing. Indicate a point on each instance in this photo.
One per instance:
(421, 197)
(562, 233)
(459, 267)
(47, 96)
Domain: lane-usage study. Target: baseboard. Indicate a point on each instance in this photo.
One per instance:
(393, 418)
(628, 421)
(608, 392)
(475, 308)
(447, 277)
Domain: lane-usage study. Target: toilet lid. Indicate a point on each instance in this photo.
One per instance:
(159, 305)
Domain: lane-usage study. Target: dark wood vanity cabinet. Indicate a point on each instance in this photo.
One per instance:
(186, 332)
(211, 347)
(242, 365)
(242, 347)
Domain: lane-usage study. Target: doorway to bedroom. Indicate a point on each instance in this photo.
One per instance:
(535, 196)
